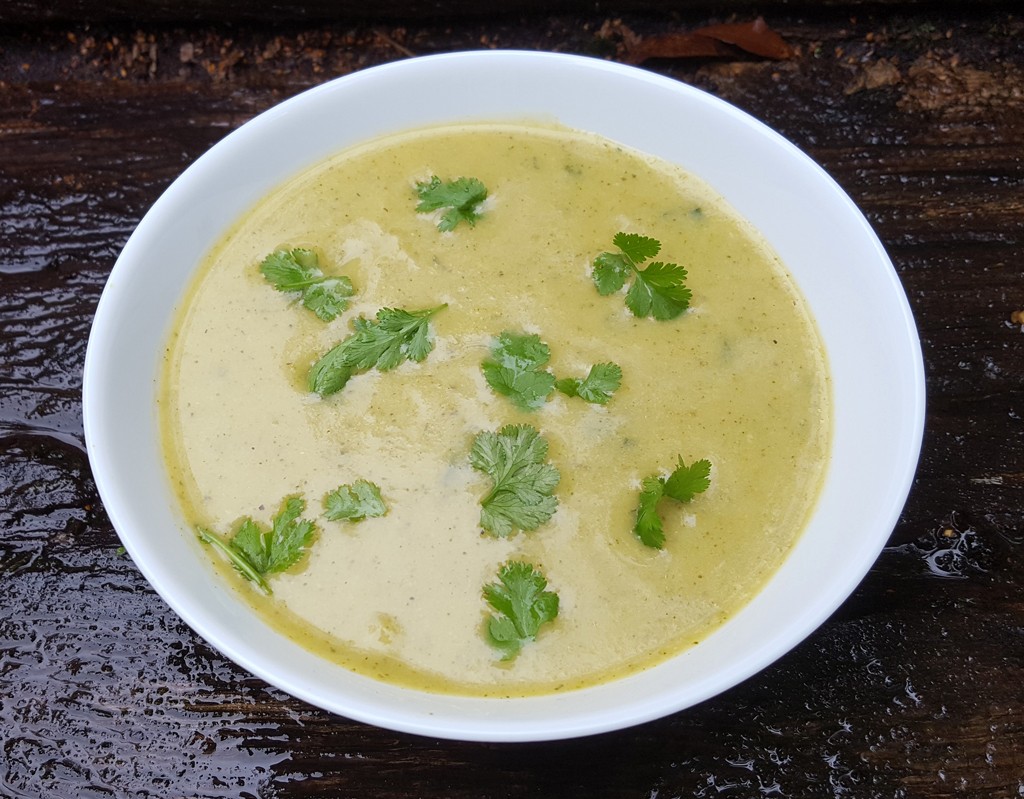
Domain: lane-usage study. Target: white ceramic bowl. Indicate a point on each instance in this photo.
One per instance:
(843, 271)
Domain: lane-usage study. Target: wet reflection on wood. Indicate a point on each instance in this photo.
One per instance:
(915, 688)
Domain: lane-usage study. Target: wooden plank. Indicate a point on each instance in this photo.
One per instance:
(292, 12)
(915, 688)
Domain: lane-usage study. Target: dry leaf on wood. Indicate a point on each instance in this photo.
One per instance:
(712, 41)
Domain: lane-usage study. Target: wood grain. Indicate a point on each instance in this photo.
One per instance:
(276, 12)
(914, 688)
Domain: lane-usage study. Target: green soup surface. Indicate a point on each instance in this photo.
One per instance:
(739, 379)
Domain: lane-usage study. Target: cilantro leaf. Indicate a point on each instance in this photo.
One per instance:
(520, 351)
(235, 557)
(610, 272)
(659, 290)
(682, 485)
(515, 369)
(276, 549)
(330, 374)
(291, 270)
(256, 551)
(522, 495)
(636, 247)
(461, 197)
(329, 297)
(394, 337)
(687, 481)
(597, 387)
(298, 270)
(355, 502)
(522, 605)
(648, 526)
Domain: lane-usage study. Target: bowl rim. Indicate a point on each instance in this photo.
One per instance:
(438, 715)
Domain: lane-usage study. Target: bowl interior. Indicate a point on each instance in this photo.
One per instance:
(835, 258)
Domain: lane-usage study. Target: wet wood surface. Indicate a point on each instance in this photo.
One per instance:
(915, 687)
(275, 12)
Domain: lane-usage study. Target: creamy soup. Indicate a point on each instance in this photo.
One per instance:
(738, 379)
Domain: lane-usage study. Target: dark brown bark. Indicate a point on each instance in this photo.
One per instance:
(915, 688)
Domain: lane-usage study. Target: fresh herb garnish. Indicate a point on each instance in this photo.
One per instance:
(515, 369)
(256, 551)
(461, 197)
(682, 485)
(355, 502)
(522, 495)
(659, 290)
(522, 606)
(390, 340)
(298, 270)
(597, 387)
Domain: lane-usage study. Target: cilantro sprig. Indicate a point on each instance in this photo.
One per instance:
(597, 387)
(522, 495)
(522, 605)
(256, 551)
(394, 337)
(355, 502)
(515, 369)
(460, 197)
(658, 290)
(682, 485)
(298, 270)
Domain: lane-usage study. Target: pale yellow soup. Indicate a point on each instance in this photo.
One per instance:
(740, 379)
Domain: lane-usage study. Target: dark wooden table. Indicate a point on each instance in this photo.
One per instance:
(915, 688)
